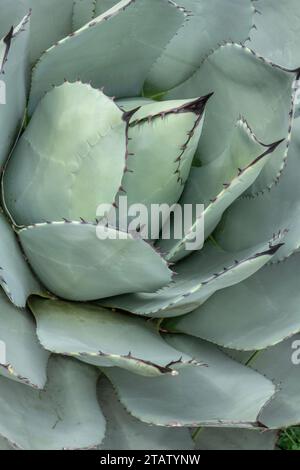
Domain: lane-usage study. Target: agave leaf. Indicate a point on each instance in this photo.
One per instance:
(279, 364)
(230, 320)
(16, 277)
(276, 32)
(103, 337)
(51, 21)
(62, 416)
(134, 33)
(25, 360)
(83, 12)
(11, 14)
(236, 439)
(5, 445)
(128, 104)
(13, 84)
(247, 85)
(222, 394)
(75, 264)
(249, 221)
(175, 127)
(198, 277)
(84, 152)
(202, 31)
(218, 183)
(124, 432)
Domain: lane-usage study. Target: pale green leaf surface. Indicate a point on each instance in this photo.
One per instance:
(75, 264)
(63, 416)
(83, 12)
(249, 221)
(276, 35)
(124, 432)
(246, 85)
(14, 62)
(75, 144)
(218, 183)
(50, 21)
(5, 445)
(16, 277)
(115, 50)
(281, 365)
(236, 439)
(206, 25)
(163, 139)
(103, 337)
(25, 360)
(223, 393)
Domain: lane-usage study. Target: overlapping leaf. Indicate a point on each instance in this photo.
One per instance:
(256, 313)
(222, 394)
(104, 338)
(198, 277)
(122, 45)
(14, 61)
(243, 84)
(124, 432)
(75, 144)
(249, 221)
(83, 261)
(24, 359)
(206, 25)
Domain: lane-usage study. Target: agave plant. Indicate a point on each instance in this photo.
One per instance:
(102, 344)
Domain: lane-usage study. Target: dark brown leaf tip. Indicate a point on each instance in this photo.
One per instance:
(127, 115)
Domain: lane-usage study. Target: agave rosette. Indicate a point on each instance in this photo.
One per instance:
(105, 344)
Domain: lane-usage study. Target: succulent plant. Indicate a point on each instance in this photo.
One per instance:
(140, 343)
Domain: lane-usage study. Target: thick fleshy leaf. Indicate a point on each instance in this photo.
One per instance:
(74, 263)
(122, 45)
(207, 24)
(247, 85)
(83, 12)
(254, 314)
(51, 21)
(198, 277)
(163, 139)
(236, 439)
(218, 183)
(124, 432)
(64, 415)
(249, 221)
(16, 277)
(12, 13)
(276, 32)
(224, 393)
(281, 365)
(83, 152)
(102, 6)
(14, 61)
(104, 337)
(24, 359)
